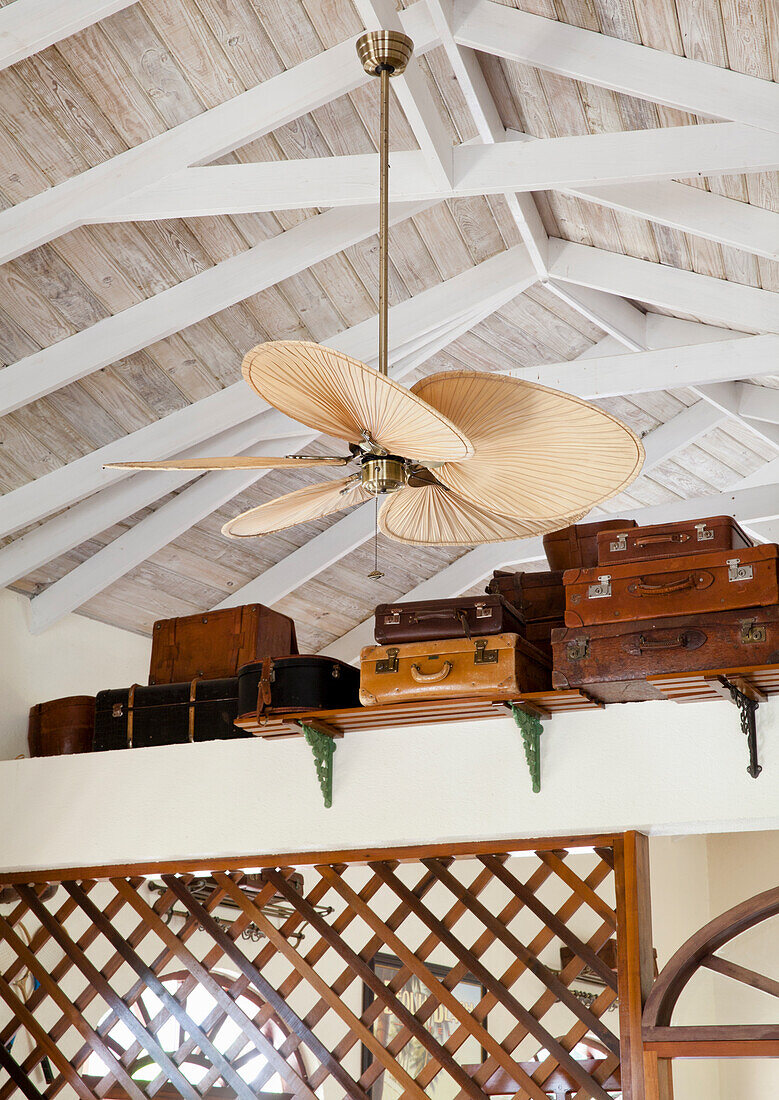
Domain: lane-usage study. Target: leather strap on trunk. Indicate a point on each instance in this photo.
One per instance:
(264, 691)
(130, 713)
(191, 709)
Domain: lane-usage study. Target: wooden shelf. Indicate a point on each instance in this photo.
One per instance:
(429, 712)
(700, 687)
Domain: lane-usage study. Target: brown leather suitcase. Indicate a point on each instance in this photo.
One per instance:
(576, 547)
(214, 645)
(670, 540)
(434, 620)
(501, 666)
(611, 661)
(538, 597)
(61, 726)
(719, 580)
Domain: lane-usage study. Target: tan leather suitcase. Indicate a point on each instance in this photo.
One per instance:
(501, 666)
(718, 580)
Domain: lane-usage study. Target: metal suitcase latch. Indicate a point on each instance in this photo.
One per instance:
(619, 543)
(390, 664)
(392, 619)
(601, 589)
(484, 656)
(483, 611)
(705, 534)
(117, 710)
(737, 571)
(578, 649)
(751, 632)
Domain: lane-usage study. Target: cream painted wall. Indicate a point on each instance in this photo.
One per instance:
(75, 657)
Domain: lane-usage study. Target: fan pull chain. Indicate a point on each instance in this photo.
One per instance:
(375, 573)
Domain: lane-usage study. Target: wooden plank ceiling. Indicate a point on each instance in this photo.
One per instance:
(158, 63)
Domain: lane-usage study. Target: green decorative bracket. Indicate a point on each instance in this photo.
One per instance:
(323, 748)
(531, 729)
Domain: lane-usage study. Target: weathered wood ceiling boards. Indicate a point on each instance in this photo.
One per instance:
(169, 201)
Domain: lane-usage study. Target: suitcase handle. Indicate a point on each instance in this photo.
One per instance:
(458, 613)
(692, 580)
(655, 540)
(431, 677)
(688, 639)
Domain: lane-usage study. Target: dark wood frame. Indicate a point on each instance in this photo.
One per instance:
(438, 971)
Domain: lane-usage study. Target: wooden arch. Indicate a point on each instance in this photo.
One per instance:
(729, 1040)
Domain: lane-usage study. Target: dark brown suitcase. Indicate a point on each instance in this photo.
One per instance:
(611, 661)
(61, 726)
(538, 597)
(501, 666)
(721, 580)
(576, 547)
(214, 645)
(432, 620)
(670, 540)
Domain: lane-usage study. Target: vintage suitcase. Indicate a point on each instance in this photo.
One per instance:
(214, 645)
(61, 726)
(720, 580)
(434, 620)
(538, 597)
(302, 683)
(670, 540)
(167, 714)
(611, 661)
(576, 547)
(501, 666)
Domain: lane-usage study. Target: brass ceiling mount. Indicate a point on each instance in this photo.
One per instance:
(389, 50)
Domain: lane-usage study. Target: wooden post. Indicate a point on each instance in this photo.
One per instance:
(642, 1079)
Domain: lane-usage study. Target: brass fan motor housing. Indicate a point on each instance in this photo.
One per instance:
(388, 50)
(382, 474)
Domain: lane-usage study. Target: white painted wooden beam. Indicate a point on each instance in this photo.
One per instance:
(687, 208)
(230, 281)
(726, 397)
(573, 164)
(28, 26)
(758, 402)
(489, 125)
(664, 368)
(116, 502)
(143, 539)
(613, 63)
(614, 315)
(426, 314)
(748, 505)
(412, 94)
(272, 104)
(718, 301)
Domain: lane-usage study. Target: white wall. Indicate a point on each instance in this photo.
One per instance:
(661, 767)
(75, 657)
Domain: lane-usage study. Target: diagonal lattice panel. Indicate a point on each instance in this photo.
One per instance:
(441, 975)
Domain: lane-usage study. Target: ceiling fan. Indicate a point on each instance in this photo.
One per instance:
(463, 457)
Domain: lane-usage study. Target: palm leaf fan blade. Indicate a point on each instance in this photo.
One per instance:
(342, 397)
(538, 453)
(310, 503)
(435, 516)
(260, 462)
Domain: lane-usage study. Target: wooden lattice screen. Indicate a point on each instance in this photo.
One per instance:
(503, 983)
